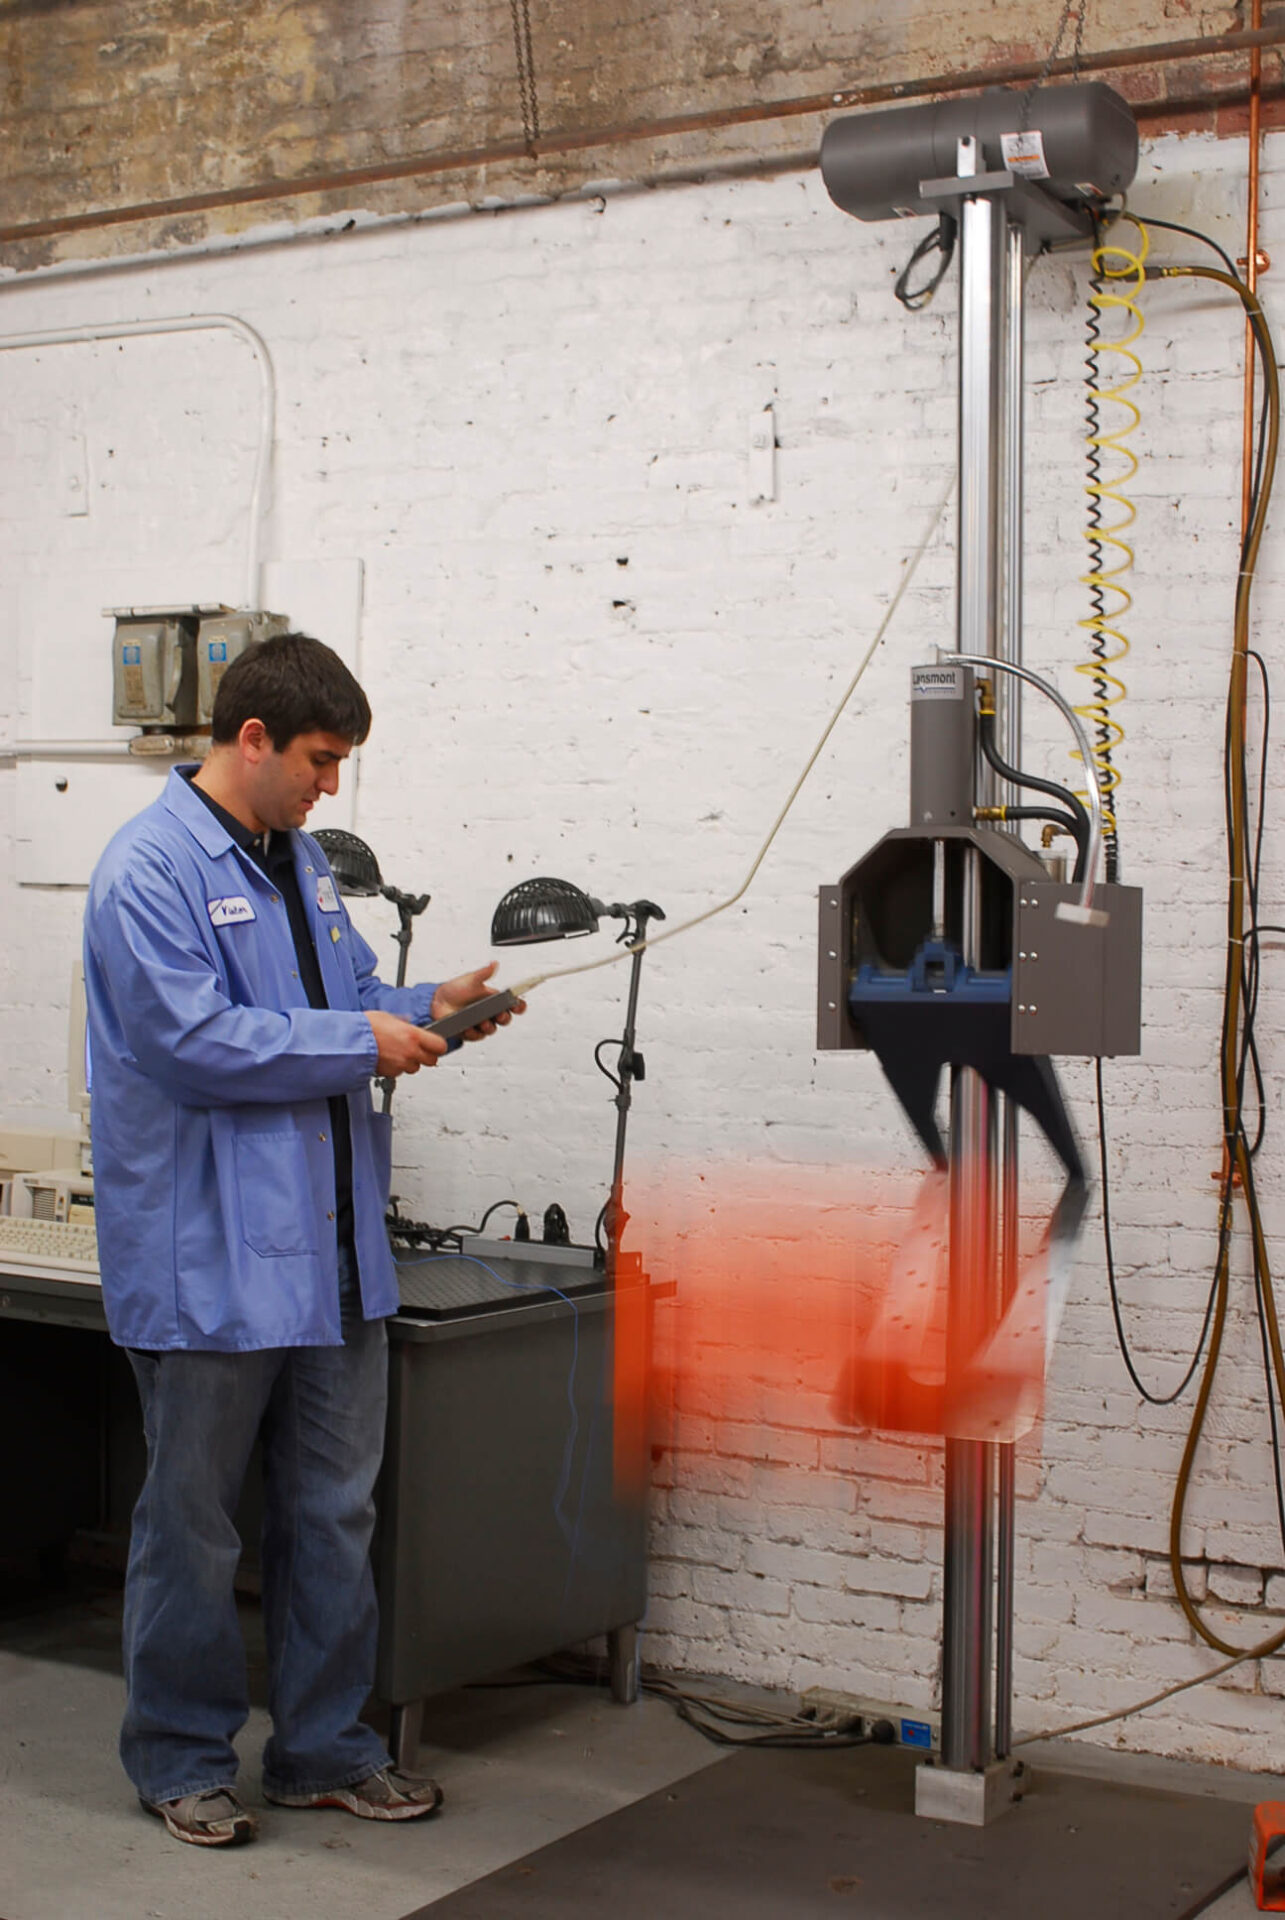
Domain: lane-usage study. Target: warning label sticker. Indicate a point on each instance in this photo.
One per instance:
(1024, 153)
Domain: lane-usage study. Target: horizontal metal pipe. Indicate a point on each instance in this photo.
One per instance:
(552, 146)
(63, 749)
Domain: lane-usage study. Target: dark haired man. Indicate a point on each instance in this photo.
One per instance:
(241, 1176)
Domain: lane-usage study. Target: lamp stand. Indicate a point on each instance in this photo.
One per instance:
(630, 1067)
(408, 906)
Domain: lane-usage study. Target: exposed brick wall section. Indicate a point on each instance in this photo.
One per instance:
(108, 105)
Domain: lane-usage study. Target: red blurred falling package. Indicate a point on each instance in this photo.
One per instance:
(814, 1301)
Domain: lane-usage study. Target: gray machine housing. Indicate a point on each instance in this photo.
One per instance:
(1076, 989)
(895, 164)
(943, 744)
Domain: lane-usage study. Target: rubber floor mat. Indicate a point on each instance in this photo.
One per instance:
(786, 1835)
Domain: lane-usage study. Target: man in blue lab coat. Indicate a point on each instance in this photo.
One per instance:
(241, 1178)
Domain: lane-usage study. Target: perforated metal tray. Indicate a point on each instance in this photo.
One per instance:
(491, 1276)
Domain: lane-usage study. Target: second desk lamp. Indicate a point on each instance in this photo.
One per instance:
(546, 909)
(356, 872)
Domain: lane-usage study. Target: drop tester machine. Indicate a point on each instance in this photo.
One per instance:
(951, 944)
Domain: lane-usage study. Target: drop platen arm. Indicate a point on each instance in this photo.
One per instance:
(893, 975)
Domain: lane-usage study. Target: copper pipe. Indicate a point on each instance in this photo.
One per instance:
(464, 159)
(1251, 267)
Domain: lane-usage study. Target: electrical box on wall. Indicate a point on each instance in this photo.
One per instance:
(167, 663)
(154, 666)
(222, 637)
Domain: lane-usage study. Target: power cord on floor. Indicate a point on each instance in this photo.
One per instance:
(728, 1723)
(719, 1720)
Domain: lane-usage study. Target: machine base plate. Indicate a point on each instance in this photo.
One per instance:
(969, 1799)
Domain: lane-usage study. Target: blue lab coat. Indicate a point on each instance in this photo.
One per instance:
(214, 1171)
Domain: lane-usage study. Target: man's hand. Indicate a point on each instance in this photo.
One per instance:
(403, 1047)
(464, 989)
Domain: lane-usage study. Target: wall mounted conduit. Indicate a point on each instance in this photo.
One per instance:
(142, 329)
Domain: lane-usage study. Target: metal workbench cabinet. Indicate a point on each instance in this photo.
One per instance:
(502, 1536)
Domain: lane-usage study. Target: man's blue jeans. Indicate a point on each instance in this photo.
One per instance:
(321, 1414)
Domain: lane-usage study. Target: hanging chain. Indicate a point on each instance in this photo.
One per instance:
(521, 11)
(1077, 52)
(1068, 7)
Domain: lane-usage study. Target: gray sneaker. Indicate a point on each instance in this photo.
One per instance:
(214, 1818)
(386, 1795)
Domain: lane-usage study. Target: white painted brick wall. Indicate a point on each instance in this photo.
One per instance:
(591, 654)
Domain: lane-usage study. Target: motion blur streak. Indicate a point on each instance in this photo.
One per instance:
(814, 1302)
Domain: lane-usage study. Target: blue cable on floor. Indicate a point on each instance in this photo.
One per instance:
(570, 1534)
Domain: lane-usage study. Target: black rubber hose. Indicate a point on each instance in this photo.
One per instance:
(986, 736)
(1067, 820)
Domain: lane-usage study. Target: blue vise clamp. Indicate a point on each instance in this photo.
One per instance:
(939, 1011)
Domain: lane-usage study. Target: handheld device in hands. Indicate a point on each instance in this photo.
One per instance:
(452, 1025)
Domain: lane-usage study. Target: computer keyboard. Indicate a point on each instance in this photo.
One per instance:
(69, 1244)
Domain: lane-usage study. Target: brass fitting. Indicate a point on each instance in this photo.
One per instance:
(1050, 831)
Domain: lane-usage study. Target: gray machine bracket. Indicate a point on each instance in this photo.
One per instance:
(1045, 222)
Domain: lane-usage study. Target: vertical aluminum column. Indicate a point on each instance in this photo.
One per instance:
(1010, 694)
(1010, 734)
(970, 1480)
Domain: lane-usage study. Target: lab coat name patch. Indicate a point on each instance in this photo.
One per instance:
(230, 911)
(327, 898)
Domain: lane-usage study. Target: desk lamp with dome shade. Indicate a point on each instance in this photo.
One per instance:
(545, 909)
(357, 875)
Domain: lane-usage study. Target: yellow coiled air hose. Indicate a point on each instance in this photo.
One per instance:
(1118, 276)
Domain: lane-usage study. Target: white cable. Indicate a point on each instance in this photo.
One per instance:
(1153, 1700)
(192, 323)
(909, 568)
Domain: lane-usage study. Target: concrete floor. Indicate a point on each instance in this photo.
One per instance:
(522, 1766)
